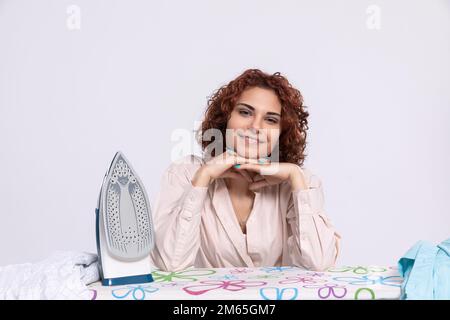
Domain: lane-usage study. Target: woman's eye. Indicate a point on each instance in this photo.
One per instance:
(245, 112)
(272, 120)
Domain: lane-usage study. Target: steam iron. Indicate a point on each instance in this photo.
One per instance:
(124, 228)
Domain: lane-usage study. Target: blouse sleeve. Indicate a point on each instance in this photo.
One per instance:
(313, 241)
(176, 219)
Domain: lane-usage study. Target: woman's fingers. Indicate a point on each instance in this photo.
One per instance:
(223, 159)
(250, 166)
(232, 156)
(240, 159)
(269, 169)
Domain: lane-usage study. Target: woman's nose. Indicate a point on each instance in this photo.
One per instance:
(256, 125)
(254, 130)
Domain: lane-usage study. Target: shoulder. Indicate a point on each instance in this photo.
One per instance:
(312, 179)
(190, 159)
(186, 165)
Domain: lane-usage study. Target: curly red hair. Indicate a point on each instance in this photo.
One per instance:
(294, 123)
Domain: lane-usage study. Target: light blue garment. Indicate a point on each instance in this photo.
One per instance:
(426, 271)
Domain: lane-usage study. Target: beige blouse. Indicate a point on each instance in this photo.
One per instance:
(197, 226)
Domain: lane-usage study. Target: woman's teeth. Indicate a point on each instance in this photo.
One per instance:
(249, 139)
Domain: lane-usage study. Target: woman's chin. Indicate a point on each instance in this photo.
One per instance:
(248, 154)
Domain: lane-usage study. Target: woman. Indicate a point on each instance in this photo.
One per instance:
(249, 202)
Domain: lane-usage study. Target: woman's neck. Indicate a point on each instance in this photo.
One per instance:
(239, 187)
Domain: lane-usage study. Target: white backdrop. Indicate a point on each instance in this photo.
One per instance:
(82, 79)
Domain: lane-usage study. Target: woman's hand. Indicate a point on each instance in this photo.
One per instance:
(221, 166)
(275, 173)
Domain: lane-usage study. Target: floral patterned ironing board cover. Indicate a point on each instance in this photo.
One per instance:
(264, 283)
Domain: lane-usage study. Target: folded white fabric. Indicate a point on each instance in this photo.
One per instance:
(64, 275)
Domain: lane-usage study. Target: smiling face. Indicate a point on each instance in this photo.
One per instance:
(254, 125)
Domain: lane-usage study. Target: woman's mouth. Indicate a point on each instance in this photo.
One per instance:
(249, 139)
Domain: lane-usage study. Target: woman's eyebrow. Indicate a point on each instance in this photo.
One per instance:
(253, 109)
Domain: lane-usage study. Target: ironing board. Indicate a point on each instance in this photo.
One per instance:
(264, 283)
